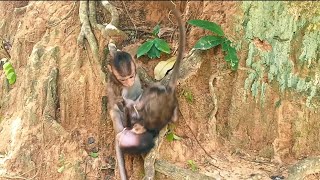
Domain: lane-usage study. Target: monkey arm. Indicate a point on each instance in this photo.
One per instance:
(115, 115)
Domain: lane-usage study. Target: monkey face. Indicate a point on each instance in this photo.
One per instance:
(125, 76)
(127, 81)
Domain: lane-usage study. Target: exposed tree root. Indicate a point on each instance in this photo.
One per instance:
(150, 158)
(212, 118)
(304, 168)
(179, 173)
(108, 30)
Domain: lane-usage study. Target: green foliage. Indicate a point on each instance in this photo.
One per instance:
(9, 72)
(93, 154)
(62, 163)
(171, 136)
(278, 103)
(156, 30)
(213, 27)
(188, 95)
(154, 47)
(192, 165)
(207, 42)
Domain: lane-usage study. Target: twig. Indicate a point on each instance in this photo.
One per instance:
(21, 176)
(134, 25)
(12, 177)
(198, 142)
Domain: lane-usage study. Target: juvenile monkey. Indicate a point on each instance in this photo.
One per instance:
(158, 104)
(130, 137)
(123, 79)
(122, 69)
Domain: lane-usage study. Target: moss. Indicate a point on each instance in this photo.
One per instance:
(267, 152)
(276, 24)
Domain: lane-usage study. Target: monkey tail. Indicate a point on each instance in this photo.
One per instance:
(182, 44)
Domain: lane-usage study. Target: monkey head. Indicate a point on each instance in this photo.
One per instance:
(123, 67)
(136, 140)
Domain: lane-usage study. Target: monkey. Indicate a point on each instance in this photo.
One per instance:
(122, 72)
(158, 104)
(133, 139)
(150, 112)
(129, 137)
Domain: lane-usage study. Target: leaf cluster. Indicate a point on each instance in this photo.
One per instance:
(9, 72)
(192, 165)
(154, 47)
(171, 136)
(210, 41)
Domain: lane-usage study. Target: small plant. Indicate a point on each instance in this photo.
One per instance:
(192, 165)
(188, 95)
(154, 47)
(9, 71)
(62, 163)
(94, 154)
(211, 41)
(171, 136)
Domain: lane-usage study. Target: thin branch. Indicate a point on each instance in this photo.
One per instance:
(125, 8)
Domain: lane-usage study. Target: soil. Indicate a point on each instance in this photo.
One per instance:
(65, 148)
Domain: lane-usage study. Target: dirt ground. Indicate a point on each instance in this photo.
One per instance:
(44, 37)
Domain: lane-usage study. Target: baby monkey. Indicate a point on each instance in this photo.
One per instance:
(130, 137)
(158, 104)
(123, 74)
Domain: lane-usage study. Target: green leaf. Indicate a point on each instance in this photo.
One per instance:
(7, 72)
(163, 67)
(231, 54)
(208, 42)
(156, 30)
(61, 169)
(211, 26)
(170, 137)
(188, 95)
(162, 45)
(154, 52)
(94, 155)
(193, 165)
(144, 48)
(226, 44)
(6, 66)
(278, 103)
(12, 78)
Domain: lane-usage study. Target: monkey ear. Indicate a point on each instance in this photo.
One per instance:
(112, 49)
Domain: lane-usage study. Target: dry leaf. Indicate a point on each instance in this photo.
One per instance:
(163, 67)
